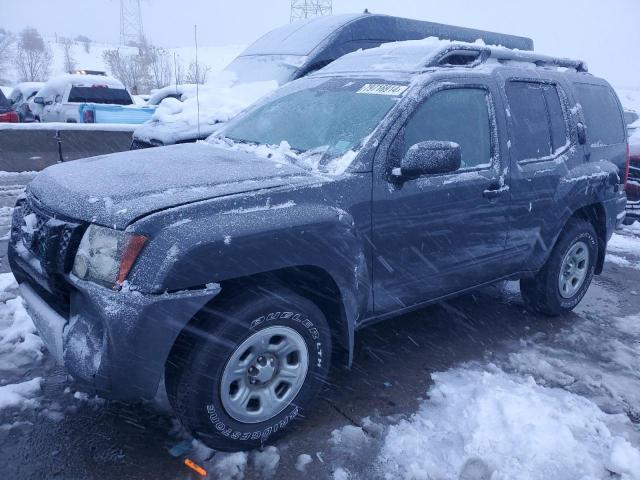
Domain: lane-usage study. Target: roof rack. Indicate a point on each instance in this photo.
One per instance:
(472, 55)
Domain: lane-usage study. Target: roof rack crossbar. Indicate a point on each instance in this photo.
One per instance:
(539, 60)
(504, 54)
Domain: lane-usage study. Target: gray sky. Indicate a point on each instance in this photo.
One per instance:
(605, 33)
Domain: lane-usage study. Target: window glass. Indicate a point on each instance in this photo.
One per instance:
(459, 115)
(556, 116)
(601, 113)
(531, 136)
(115, 96)
(334, 117)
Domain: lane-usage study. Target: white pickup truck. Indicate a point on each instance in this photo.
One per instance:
(75, 98)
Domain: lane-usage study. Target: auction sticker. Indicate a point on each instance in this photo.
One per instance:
(382, 89)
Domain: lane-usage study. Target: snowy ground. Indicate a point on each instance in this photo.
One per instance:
(472, 389)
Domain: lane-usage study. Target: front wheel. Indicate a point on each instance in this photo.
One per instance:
(565, 278)
(256, 364)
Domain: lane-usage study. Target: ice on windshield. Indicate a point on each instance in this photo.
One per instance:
(328, 120)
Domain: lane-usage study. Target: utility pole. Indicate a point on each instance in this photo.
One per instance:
(302, 9)
(131, 33)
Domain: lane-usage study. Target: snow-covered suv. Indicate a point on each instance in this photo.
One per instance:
(393, 178)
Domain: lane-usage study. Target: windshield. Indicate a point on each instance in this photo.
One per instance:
(328, 120)
(113, 96)
(260, 68)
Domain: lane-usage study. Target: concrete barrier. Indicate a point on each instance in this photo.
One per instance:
(35, 146)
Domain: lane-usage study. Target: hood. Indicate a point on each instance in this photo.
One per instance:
(114, 190)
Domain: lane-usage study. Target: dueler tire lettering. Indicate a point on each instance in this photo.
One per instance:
(195, 368)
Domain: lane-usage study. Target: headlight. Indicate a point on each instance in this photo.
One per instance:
(106, 255)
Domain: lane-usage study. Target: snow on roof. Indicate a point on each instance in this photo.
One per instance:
(298, 38)
(28, 88)
(57, 85)
(406, 56)
(161, 93)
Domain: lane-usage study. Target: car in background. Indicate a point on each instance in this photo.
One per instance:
(171, 91)
(81, 98)
(21, 97)
(632, 187)
(7, 113)
(294, 51)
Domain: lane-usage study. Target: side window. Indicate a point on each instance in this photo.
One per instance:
(559, 134)
(601, 113)
(531, 135)
(459, 115)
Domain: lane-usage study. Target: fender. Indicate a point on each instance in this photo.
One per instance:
(585, 185)
(197, 245)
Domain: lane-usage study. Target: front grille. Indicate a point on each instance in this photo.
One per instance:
(52, 240)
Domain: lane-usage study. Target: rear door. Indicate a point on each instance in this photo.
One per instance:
(543, 146)
(440, 234)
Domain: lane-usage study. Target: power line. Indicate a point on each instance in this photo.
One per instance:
(131, 32)
(302, 9)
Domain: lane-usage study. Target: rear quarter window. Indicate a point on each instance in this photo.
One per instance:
(601, 113)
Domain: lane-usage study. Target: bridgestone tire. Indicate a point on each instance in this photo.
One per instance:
(542, 293)
(195, 369)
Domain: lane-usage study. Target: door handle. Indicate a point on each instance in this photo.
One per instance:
(495, 191)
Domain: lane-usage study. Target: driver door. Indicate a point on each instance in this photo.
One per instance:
(442, 233)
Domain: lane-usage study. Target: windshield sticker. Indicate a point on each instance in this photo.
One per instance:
(382, 89)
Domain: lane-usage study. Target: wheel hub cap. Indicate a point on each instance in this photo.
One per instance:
(264, 374)
(573, 270)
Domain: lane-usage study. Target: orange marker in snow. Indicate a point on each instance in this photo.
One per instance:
(195, 467)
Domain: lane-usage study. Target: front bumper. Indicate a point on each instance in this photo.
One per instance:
(115, 342)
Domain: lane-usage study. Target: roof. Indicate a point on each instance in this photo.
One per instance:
(303, 37)
(416, 56)
(57, 84)
(27, 88)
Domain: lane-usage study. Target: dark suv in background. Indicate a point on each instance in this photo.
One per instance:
(393, 178)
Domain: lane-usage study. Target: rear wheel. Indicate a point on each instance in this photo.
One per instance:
(565, 278)
(256, 364)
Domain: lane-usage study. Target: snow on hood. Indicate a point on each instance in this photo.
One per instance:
(220, 99)
(114, 190)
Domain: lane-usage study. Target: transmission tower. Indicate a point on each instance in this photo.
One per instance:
(131, 32)
(301, 9)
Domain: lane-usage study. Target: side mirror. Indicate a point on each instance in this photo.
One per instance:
(430, 158)
(582, 133)
(39, 100)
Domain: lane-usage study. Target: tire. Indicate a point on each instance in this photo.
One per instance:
(199, 383)
(542, 293)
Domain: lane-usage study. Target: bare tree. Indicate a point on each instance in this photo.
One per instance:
(197, 73)
(33, 57)
(85, 41)
(6, 46)
(178, 71)
(127, 68)
(67, 50)
(159, 65)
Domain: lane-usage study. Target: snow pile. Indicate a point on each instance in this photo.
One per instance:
(221, 98)
(23, 395)
(19, 344)
(622, 246)
(507, 427)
